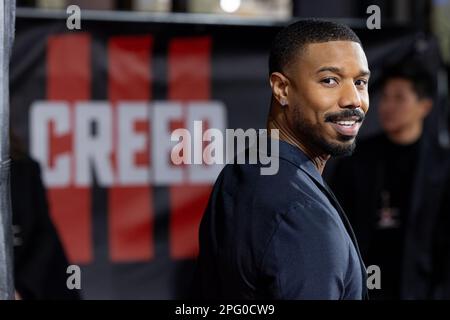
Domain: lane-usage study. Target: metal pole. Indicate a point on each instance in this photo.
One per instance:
(7, 14)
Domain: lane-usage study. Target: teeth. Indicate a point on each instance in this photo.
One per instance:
(346, 123)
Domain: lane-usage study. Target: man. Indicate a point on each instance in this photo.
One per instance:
(284, 236)
(391, 187)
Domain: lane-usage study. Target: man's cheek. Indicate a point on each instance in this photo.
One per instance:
(322, 100)
(328, 130)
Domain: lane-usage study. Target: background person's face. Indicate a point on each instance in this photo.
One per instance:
(328, 96)
(400, 107)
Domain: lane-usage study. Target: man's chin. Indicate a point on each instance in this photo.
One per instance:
(341, 149)
(346, 139)
(331, 143)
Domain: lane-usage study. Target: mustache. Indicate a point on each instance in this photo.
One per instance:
(348, 114)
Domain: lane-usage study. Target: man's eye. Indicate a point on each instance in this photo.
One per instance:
(329, 81)
(361, 82)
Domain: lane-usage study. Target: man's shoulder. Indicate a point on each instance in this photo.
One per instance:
(290, 186)
(247, 201)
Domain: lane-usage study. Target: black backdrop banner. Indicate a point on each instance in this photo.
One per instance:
(96, 108)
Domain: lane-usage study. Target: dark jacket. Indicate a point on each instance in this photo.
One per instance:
(279, 236)
(441, 247)
(357, 184)
(40, 263)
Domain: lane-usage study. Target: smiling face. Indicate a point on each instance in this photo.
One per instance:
(327, 95)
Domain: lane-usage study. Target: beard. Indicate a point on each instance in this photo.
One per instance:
(313, 137)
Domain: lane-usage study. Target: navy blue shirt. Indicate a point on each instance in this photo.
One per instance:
(281, 236)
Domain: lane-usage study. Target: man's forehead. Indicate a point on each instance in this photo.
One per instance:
(339, 54)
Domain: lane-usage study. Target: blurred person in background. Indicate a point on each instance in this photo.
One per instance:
(391, 187)
(441, 245)
(40, 263)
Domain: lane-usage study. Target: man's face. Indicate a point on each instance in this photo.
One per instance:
(400, 107)
(328, 95)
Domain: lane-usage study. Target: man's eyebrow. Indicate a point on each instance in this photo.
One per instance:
(330, 69)
(362, 73)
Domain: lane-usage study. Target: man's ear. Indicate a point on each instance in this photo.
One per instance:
(426, 104)
(279, 84)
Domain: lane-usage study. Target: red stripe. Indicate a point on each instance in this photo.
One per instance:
(189, 79)
(69, 79)
(142, 158)
(130, 210)
(189, 68)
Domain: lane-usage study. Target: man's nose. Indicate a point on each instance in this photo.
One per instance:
(350, 97)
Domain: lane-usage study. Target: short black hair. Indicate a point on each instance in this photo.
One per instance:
(421, 80)
(294, 38)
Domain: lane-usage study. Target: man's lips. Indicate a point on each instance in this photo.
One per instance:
(347, 126)
(346, 122)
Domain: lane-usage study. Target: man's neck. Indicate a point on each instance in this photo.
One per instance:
(287, 135)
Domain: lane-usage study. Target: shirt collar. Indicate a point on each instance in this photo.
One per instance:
(296, 156)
